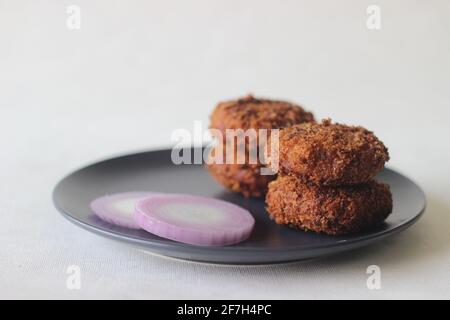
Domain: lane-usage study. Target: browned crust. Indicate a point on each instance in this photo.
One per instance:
(331, 210)
(253, 113)
(242, 178)
(331, 154)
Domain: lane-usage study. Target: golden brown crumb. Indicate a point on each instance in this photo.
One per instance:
(331, 210)
(330, 154)
(251, 113)
(242, 178)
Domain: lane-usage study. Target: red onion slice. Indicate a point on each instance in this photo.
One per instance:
(118, 208)
(194, 220)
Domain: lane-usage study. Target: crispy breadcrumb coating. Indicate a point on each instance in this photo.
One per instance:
(242, 178)
(330, 154)
(251, 113)
(330, 210)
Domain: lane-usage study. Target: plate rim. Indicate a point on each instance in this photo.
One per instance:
(169, 244)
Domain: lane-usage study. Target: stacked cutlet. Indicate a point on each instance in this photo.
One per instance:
(326, 179)
(250, 113)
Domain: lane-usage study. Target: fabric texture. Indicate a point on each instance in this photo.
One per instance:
(130, 76)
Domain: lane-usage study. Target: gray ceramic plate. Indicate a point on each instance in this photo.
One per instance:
(269, 243)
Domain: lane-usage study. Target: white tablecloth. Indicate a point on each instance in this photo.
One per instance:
(136, 70)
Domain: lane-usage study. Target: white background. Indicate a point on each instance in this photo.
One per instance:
(139, 69)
